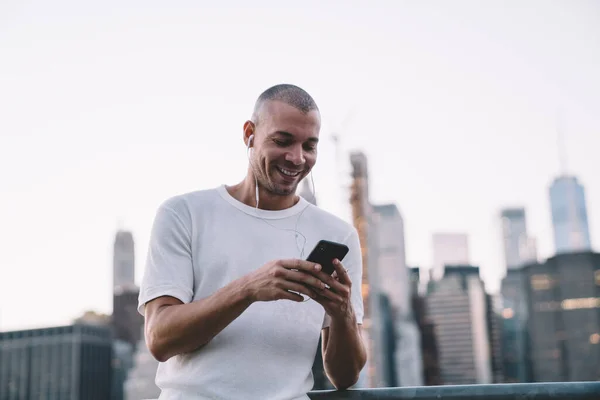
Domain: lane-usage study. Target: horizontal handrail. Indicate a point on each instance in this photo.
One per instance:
(512, 391)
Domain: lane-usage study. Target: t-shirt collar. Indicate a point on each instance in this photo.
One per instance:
(267, 214)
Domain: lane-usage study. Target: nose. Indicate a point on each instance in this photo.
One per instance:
(295, 155)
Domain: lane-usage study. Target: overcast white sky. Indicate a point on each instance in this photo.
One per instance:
(108, 108)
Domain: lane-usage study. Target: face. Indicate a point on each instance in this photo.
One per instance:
(284, 148)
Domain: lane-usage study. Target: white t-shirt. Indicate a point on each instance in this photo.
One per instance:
(203, 240)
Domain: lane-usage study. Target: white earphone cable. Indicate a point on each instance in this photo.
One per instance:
(295, 230)
(257, 201)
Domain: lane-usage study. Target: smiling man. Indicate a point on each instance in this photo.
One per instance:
(225, 276)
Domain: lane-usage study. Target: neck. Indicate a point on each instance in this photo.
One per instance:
(246, 193)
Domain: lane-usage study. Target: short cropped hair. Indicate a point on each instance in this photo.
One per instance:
(286, 93)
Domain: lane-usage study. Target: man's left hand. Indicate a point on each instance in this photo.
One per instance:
(336, 299)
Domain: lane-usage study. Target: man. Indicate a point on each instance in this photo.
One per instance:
(225, 274)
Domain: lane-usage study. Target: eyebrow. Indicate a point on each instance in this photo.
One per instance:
(290, 136)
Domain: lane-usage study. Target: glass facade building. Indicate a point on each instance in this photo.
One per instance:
(68, 362)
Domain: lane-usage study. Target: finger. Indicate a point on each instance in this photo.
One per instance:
(305, 279)
(339, 289)
(300, 288)
(341, 272)
(324, 301)
(324, 298)
(284, 294)
(300, 265)
(332, 282)
(330, 295)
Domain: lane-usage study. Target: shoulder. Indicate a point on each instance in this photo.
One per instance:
(184, 205)
(332, 224)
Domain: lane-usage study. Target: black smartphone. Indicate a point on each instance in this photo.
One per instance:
(325, 252)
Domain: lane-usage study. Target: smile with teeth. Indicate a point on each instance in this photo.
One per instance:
(288, 172)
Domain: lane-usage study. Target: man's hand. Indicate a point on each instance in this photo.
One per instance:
(343, 350)
(277, 279)
(175, 328)
(336, 299)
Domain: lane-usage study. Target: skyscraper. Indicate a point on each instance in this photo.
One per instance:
(457, 305)
(494, 321)
(63, 362)
(362, 220)
(514, 232)
(429, 347)
(126, 321)
(569, 215)
(449, 249)
(391, 258)
(389, 261)
(563, 298)
(519, 250)
(515, 313)
(123, 261)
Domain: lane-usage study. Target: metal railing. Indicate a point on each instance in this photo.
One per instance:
(519, 391)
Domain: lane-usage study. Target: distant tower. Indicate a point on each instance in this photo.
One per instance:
(457, 305)
(389, 262)
(519, 248)
(126, 321)
(569, 211)
(362, 221)
(569, 215)
(123, 261)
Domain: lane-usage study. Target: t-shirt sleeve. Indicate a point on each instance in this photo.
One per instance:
(168, 270)
(353, 263)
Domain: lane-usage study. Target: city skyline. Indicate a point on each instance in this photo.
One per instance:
(109, 109)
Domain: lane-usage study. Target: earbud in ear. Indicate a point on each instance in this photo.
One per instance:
(250, 141)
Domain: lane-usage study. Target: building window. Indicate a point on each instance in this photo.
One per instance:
(574, 304)
(541, 282)
(547, 306)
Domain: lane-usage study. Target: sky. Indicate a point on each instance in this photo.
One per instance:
(108, 108)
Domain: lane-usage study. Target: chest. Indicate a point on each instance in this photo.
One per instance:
(227, 249)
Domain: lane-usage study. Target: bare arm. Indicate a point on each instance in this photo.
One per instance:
(173, 327)
(344, 353)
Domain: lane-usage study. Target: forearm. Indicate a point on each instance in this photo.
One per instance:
(183, 328)
(345, 354)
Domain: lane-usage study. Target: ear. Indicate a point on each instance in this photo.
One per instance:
(249, 130)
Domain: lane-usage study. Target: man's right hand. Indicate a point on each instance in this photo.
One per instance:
(175, 328)
(276, 279)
